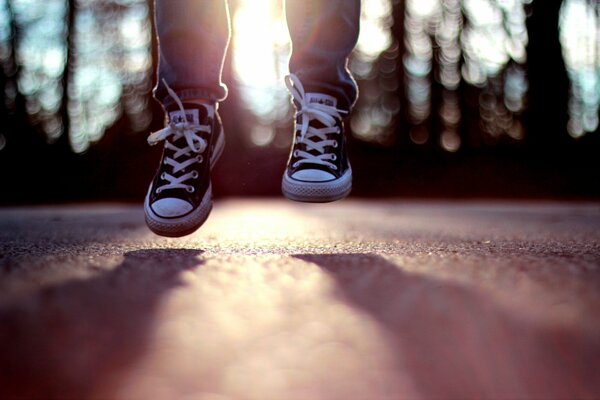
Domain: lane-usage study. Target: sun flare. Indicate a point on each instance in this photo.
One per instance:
(261, 47)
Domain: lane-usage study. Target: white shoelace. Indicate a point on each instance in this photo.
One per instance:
(195, 144)
(325, 114)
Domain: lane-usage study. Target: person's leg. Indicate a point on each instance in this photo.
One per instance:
(193, 36)
(324, 33)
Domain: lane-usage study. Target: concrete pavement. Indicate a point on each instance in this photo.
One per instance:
(277, 300)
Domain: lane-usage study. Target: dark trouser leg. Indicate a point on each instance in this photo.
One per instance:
(324, 33)
(193, 37)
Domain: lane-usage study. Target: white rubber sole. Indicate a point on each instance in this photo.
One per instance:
(182, 226)
(189, 223)
(317, 192)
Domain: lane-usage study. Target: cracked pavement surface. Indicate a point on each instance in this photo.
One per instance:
(275, 300)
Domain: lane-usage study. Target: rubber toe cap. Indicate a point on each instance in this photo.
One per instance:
(312, 175)
(171, 207)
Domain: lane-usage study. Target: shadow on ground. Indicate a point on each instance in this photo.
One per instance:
(453, 340)
(448, 339)
(47, 350)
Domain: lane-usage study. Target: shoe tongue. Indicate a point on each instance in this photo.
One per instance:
(321, 98)
(194, 113)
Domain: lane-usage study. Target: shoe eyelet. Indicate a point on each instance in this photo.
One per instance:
(199, 159)
(296, 153)
(333, 157)
(158, 190)
(163, 176)
(190, 189)
(195, 174)
(335, 144)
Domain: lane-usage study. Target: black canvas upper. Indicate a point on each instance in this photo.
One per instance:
(202, 182)
(340, 151)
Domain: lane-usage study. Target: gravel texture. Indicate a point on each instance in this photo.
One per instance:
(278, 300)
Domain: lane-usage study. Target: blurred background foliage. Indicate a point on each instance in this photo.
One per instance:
(459, 98)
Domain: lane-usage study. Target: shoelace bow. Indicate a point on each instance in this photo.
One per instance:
(195, 144)
(327, 115)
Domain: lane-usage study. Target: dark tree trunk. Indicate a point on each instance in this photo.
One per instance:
(397, 30)
(6, 68)
(63, 143)
(547, 114)
(18, 120)
(437, 90)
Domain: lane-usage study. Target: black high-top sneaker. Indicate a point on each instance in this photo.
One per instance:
(179, 199)
(318, 169)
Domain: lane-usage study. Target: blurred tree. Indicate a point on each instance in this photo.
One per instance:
(63, 143)
(459, 76)
(440, 81)
(15, 126)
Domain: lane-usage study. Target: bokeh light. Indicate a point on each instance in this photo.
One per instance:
(110, 64)
(411, 76)
(40, 56)
(579, 28)
(261, 47)
(112, 68)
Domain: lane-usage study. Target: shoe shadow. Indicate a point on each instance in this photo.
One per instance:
(453, 341)
(66, 339)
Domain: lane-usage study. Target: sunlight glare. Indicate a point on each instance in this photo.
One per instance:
(261, 48)
(423, 8)
(375, 22)
(260, 54)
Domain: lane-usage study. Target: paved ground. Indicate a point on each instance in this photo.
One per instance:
(274, 300)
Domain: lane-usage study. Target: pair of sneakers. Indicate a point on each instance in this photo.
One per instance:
(179, 198)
